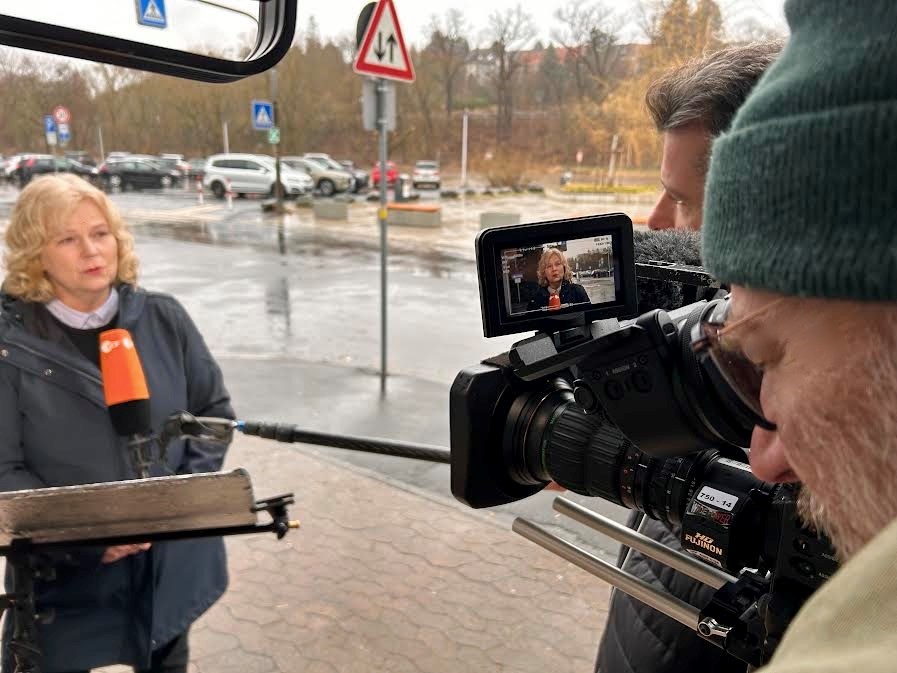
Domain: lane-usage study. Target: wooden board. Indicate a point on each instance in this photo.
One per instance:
(156, 505)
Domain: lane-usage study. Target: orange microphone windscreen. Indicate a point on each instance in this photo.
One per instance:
(123, 379)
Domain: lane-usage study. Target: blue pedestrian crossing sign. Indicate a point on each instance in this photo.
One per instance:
(50, 129)
(262, 115)
(151, 13)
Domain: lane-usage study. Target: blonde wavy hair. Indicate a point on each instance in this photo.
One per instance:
(41, 209)
(543, 262)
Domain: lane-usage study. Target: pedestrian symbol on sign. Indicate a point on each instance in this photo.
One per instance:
(151, 13)
(262, 118)
(262, 115)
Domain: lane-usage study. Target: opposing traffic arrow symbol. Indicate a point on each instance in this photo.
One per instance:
(381, 52)
(392, 43)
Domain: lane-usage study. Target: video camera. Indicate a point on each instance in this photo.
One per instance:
(628, 411)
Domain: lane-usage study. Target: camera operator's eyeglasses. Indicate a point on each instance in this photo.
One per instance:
(743, 376)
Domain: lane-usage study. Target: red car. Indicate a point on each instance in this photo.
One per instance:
(392, 174)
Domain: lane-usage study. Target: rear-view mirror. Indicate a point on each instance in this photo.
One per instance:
(218, 41)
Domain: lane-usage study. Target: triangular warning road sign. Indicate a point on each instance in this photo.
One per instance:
(152, 12)
(383, 52)
(262, 119)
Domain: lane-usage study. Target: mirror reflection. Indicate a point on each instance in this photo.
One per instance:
(223, 28)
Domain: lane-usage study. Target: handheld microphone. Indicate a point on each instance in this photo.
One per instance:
(127, 395)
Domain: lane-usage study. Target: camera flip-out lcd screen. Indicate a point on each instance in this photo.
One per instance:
(559, 274)
(549, 274)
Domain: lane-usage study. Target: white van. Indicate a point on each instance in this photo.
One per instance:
(252, 174)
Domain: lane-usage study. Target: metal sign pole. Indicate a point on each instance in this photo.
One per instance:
(278, 187)
(382, 90)
(464, 151)
(378, 20)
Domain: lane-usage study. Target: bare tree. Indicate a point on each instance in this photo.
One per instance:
(679, 31)
(450, 50)
(508, 33)
(425, 95)
(752, 29)
(588, 34)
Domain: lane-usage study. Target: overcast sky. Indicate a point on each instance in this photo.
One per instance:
(199, 22)
(339, 17)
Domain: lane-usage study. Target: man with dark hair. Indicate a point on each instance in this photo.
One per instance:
(690, 106)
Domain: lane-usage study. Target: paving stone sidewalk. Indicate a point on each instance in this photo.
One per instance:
(384, 579)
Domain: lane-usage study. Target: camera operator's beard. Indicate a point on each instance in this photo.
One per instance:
(845, 448)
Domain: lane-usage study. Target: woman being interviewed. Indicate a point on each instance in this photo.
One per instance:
(71, 273)
(556, 286)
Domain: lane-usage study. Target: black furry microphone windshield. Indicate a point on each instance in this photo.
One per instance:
(667, 245)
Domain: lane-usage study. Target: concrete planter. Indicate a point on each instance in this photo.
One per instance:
(331, 210)
(414, 215)
(489, 219)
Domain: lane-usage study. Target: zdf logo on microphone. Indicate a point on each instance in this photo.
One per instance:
(109, 345)
(123, 377)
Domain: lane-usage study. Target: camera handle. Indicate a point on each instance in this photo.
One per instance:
(741, 617)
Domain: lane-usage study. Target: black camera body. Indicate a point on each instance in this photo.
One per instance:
(625, 410)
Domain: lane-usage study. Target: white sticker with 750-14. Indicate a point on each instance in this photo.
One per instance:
(716, 498)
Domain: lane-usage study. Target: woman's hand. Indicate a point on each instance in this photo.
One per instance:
(118, 552)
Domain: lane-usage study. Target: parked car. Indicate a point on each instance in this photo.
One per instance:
(327, 180)
(113, 156)
(359, 178)
(81, 156)
(11, 168)
(196, 169)
(426, 174)
(41, 164)
(252, 174)
(174, 162)
(362, 177)
(134, 172)
(392, 174)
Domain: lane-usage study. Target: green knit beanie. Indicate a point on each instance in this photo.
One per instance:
(801, 196)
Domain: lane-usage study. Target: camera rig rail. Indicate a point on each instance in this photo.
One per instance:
(746, 617)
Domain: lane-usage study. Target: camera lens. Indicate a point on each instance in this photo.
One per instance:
(589, 455)
(547, 436)
(529, 419)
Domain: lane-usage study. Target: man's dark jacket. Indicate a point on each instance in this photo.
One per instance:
(56, 431)
(570, 293)
(638, 639)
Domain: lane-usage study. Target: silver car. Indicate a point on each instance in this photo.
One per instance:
(358, 179)
(426, 173)
(251, 174)
(327, 180)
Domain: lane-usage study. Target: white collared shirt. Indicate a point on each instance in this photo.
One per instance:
(79, 320)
